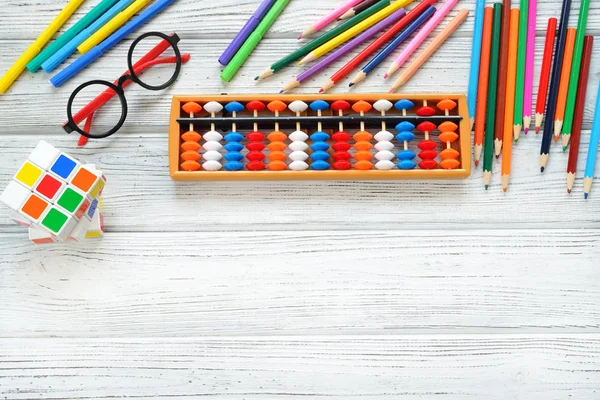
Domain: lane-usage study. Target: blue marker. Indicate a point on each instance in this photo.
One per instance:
(590, 165)
(475, 59)
(91, 56)
(64, 52)
(398, 40)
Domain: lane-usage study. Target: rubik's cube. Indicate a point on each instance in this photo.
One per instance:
(56, 197)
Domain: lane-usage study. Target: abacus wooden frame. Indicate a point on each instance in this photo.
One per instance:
(464, 141)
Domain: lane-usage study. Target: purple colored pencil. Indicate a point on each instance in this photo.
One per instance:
(243, 34)
(348, 47)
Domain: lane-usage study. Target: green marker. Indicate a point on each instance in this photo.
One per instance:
(575, 71)
(488, 155)
(307, 48)
(521, 61)
(66, 37)
(250, 44)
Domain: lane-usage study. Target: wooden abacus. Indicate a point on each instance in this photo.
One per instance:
(319, 137)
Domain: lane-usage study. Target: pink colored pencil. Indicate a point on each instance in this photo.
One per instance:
(421, 36)
(329, 18)
(529, 66)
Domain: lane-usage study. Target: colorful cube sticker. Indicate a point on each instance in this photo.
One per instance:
(58, 223)
(85, 179)
(44, 155)
(14, 195)
(34, 207)
(29, 174)
(50, 187)
(65, 167)
(74, 202)
(96, 228)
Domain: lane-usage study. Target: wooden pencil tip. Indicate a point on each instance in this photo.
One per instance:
(556, 138)
(477, 163)
(281, 91)
(351, 84)
(565, 148)
(504, 189)
(256, 78)
(542, 169)
(586, 195)
(537, 130)
(385, 76)
(526, 131)
(487, 187)
(569, 191)
(299, 36)
(321, 90)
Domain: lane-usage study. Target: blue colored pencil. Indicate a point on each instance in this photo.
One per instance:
(590, 165)
(398, 40)
(475, 59)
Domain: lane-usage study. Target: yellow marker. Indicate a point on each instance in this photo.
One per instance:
(355, 30)
(111, 26)
(36, 47)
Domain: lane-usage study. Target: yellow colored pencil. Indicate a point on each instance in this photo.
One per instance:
(111, 26)
(355, 30)
(36, 47)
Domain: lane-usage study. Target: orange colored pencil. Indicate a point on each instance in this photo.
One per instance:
(484, 73)
(511, 87)
(563, 88)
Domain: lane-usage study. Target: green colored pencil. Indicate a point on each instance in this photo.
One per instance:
(521, 61)
(307, 48)
(575, 70)
(488, 152)
(250, 44)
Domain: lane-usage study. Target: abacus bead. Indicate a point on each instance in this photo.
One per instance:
(449, 154)
(382, 105)
(233, 146)
(319, 146)
(255, 105)
(427, 155)
(427, 145)
(298, 146)
(384, 165)
(341, 136)
(341, 156)
(341, 165)
(406, 165)
(255, 166)
(233, 166)
(406, 136)
(428, 164)
(277, 165)
(426, 126)
(426, 111)
(191, 136)
(298, 165)
(338, 105)
(277, 156)
(213, 107)
(319, 136)
(319, 155)
(341, 146)
(383, 146)
(405, 126)
(362, 136)
(192, 107)
(446, 105)
(234, 106)
(319, 105)
(361, 106)
(277, 136)
(234, 156)
(212, 146)
(190, 156)
(255, 136)
(277, 146)
(448, 137)
(276, 106)
(234, 137)
(448, 126)
(363, 155)
(191, 146)
(190, 166)
(384, 136)
(212, 155)
(255, 156)
(404, 105)
(298, 106)
(212, 165)
(298, 156)
(320, 165)
(363, 146)
(405, 155)
(385, 155)
(298, 136)
(255, 146)
(363, 165)
(450, 164)
(213, 136)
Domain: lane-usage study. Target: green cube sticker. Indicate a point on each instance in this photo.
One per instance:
(54, 220)
(70, 200)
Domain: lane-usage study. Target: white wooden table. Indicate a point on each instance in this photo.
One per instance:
(286, 290)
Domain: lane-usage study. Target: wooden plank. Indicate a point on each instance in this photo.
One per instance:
(302, 282)
(339, 367)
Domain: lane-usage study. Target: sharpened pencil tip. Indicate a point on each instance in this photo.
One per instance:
(526, 130)
(321, 90)
(537, 130)
(385, 76)
(542, 169)
(517, 140)
(299, 36)
(487, 187)
(564, 148)
(256, 78)
(351, 84)
(504, 190)
(497, 156)
(569, 191)
(281, 91)
(477, 163)
(586, 195)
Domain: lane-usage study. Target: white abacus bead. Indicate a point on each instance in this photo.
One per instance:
(298, 156)
(385, 155)
(384, 165)
(212, 155)
(298, 166)
(212, 136)
(298, 136)
(213, 107)
(381, 146)
(384, 136)
(298, 146)
(298, 106)
(212, 165)
(213, 145)
(382, 105)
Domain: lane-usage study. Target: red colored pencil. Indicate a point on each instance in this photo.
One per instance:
(540, 106)
(372, 48)
(579, 107)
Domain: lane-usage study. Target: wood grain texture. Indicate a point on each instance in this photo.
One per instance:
(264, 290)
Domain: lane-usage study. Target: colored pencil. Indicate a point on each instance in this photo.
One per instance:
(342, 51)
(554, 82)
(579, 109)
(575, 69)
(484, 71)
(329, 18)
(431, 48)
(502, 69)
(421, 36)
(475, 59)
(354, 31)
(590, 165)
(360, 7)
(246, 31)
(529, 67)
(545, 73)
(307, 48)
(510, 97)
(398, 40)
(488, 149)
(521, 61)
(250, 44)
(377, 43)
(563, 88)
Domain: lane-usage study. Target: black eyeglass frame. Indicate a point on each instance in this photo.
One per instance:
(71, 126)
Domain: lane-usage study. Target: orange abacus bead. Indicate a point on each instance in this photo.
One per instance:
(277, 165)
(448, 126)
(191, 146)
(363, 156)
(448, 137)
(363, 146)
(276, 106)
(277, 156)
(190, 156)
(363, 165)
(192, 107)
(446, 105)
(361, 106)
(190, 166)
(277, 136)
(450, 164)
(362, 136)
(276, 146)
(450, 154)
(191, 136)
